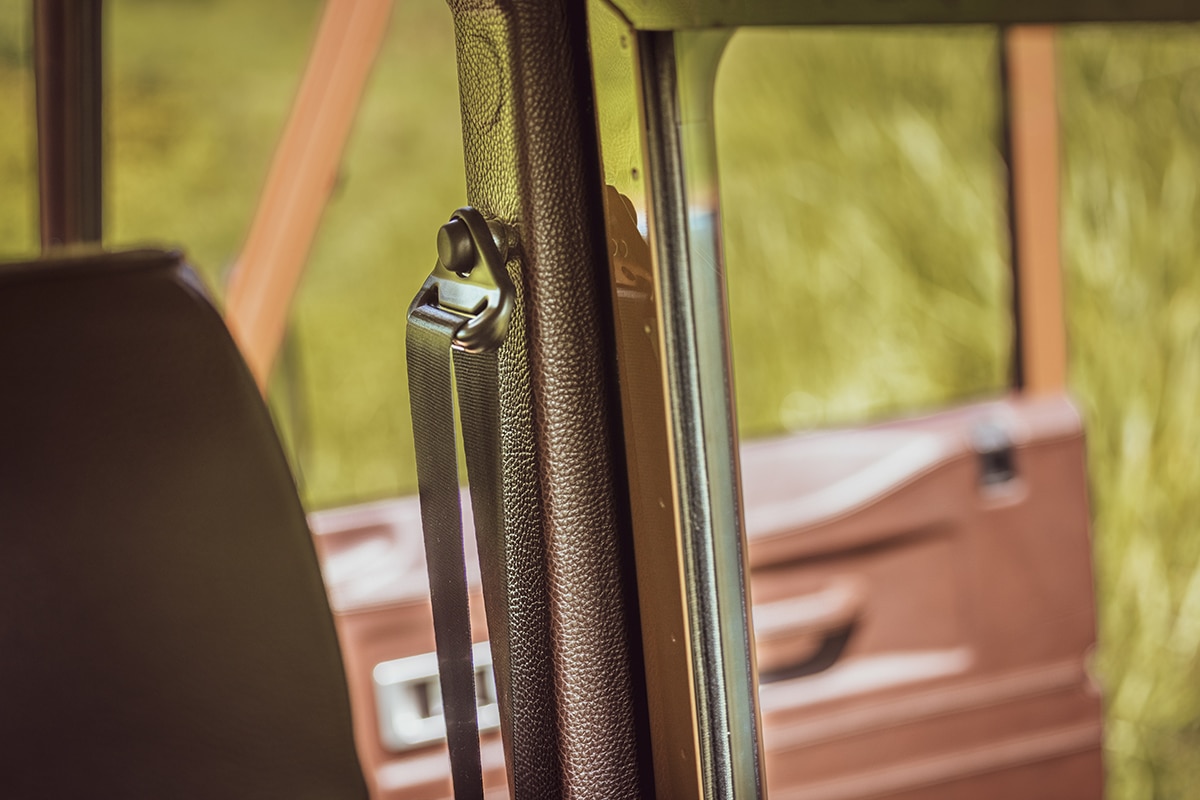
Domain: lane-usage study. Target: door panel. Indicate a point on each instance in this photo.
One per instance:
(922, 603)
(967, 659)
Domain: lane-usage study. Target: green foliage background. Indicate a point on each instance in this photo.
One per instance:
(864, 231)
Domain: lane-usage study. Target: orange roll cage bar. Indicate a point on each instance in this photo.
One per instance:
(1033, 143)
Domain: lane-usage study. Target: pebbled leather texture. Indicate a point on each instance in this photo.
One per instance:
(164, 631)
(556, 569)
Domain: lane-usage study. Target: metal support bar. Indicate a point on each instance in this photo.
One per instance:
(678, 76)
(67, 69)
(1031, 150)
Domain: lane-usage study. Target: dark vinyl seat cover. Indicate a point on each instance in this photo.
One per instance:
(164, 631)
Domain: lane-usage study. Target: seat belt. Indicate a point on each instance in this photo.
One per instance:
(460, 316)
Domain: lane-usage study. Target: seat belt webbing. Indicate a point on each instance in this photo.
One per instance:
(460, 316)
(428, 352)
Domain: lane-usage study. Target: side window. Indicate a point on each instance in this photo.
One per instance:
(863, 205)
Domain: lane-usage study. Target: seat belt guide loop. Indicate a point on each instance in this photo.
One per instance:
(470, 280)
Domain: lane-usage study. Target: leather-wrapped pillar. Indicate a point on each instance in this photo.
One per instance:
(555, 549)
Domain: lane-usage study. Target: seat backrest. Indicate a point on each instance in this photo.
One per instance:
(164, 631)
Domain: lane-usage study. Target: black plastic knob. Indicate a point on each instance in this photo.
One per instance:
(455, 249)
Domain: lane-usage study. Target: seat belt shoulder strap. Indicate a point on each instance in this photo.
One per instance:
(463, 309)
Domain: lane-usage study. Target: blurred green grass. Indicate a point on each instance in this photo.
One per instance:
(1131, 105)
(883, 235)
(864, 236)
(862, 202)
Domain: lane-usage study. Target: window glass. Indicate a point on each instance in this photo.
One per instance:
(862, 193)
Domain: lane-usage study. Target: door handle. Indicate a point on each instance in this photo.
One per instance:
(807, 634)
(408, 699)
